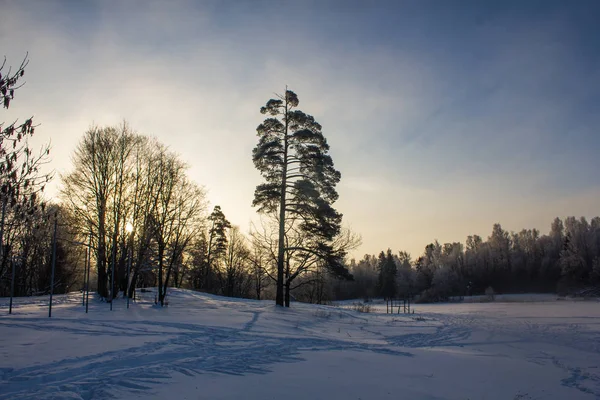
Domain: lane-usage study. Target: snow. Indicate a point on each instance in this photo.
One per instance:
(210, 347)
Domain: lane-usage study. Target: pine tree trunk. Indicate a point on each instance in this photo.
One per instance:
(281, 249)
(280, 255)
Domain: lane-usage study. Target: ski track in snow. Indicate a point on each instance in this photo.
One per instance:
(259, 336)
(185, 348)
(523, 334)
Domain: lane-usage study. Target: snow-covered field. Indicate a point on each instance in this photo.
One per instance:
(208, 347)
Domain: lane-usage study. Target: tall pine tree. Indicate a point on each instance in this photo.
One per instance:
(300, 179)
(217, 242)
(387, 275)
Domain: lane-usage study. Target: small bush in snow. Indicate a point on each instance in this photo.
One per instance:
(322, 314)
(361, 307)
(489, 292)
(431, 295)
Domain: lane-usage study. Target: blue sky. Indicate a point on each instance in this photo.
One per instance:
(443, 116)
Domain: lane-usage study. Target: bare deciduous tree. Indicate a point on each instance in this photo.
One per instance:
(121, 177)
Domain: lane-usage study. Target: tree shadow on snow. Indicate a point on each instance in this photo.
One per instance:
(185, 348)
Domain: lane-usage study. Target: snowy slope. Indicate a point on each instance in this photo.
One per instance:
(209, 347)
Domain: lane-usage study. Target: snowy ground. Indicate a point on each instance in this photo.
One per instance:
(207, 347)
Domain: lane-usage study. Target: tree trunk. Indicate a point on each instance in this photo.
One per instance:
(122, 270)
(258, 288)
(287, 293)
(282, 204)
(208, 272)
(181, 276)
(101, 255)
(161, 252)
(176, 276)
(113, 268)
(135, 267)
(165, 285)
(132, 284)
(2, 253)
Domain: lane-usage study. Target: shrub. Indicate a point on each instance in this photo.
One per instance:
(361, 307)
(489, 292)
(431, 295)
(322, 314)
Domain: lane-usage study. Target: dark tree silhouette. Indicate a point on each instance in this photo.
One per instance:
(300, 179)
(217, 242)
(387, 275)
(20, 177)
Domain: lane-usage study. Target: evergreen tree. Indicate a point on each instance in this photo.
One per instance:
(387, 275)
(381, 261)
(300, 179)
(217, 242)
(572, 264)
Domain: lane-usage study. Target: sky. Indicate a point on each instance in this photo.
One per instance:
(444, 117)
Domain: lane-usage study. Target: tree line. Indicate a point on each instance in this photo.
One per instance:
(130, 209)
(564, 261)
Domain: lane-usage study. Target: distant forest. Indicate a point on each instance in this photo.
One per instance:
(565, 260)
(129, 216)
